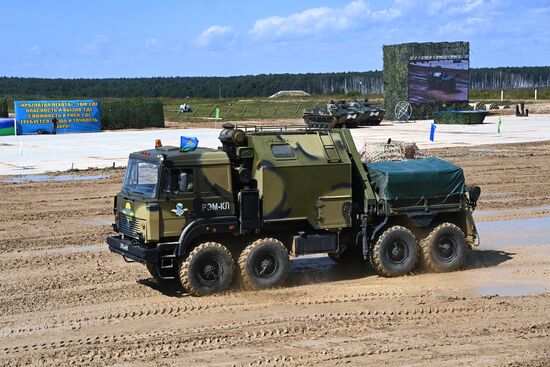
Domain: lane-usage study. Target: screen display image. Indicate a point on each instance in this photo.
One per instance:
(438, 81)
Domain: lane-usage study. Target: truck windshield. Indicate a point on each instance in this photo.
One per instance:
(141, 177)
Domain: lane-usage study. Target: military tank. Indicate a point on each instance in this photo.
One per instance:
(342, 113)
(334, 115)
(367, 115)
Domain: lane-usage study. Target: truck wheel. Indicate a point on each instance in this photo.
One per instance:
(208, 269)
(264, 264)
(444, 249)
(394, 253)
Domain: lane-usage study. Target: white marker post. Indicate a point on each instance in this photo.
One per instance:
(21, 152)
(536, 94)
(20, 142)
(501, 95)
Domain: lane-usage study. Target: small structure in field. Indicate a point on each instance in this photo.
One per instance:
(289, 93)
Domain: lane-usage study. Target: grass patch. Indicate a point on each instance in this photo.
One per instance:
(251, 108)
(510, 94)
(290, 107)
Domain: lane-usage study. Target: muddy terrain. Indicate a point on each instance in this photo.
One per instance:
(65, 300)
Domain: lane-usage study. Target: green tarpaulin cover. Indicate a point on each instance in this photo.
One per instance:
(425, 178)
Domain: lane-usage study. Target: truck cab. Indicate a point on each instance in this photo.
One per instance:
(164, 190)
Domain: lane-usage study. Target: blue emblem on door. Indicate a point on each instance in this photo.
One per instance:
(180, 210)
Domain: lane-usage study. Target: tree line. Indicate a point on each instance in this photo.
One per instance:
(369, 82)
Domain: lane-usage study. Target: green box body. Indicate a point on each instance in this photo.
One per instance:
(459, 117)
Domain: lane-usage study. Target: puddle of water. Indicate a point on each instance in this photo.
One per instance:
(511, 290)
(318, 263)
(99, 222)
(498, 200)
(62, 250)
(45, 178)
(498, 193)
(485, 213)
(77, 249)
(481, 150)
(517, 232)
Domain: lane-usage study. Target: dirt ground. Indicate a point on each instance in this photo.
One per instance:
(65, 300)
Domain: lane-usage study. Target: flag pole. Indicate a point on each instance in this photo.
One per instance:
(21, 151)
(432, 134)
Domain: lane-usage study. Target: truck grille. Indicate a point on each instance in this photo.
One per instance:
(129, 226)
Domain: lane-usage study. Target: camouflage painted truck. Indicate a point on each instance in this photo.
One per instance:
(209, 217)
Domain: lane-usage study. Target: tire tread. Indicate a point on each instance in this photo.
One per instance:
(375, 259)
(184, 269)
(247, 282)
(427, 260)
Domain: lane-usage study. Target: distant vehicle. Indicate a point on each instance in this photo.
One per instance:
(205, 216)
(342, 113)
(367, 115)
(333, 115)
(442, 81)
(185, 108)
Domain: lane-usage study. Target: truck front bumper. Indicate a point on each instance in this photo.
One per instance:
(132, 251)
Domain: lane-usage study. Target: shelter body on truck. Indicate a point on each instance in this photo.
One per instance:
(206, 216)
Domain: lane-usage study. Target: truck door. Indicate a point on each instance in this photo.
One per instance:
(177, 200)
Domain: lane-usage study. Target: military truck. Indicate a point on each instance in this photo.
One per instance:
(208, 217)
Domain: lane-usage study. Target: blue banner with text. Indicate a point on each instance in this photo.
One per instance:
(57, 117)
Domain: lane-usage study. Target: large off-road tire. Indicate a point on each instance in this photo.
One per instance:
(394, 253)
(208, 269)
(264, 264)
(444, 249)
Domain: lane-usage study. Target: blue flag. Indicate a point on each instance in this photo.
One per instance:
(432, 132)
(188, 143)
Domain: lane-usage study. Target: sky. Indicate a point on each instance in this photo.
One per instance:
(138, 38)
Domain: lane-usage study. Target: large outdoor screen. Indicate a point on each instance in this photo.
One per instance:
(438, 80)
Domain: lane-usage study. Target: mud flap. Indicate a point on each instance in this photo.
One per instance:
(472, 236)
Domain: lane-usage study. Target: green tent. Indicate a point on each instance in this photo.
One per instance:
(427, 178)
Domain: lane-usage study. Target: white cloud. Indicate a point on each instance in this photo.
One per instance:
(151, 42)
(470, 26)
(34, 51)
(320, 20)
(544, 9)
(95, 46)
(215, 34)
(453, 6)
(466, 8)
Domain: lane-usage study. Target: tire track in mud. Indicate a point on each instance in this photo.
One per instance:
(192, 306)
(373, 315)
(333, 355)
(166, 344)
